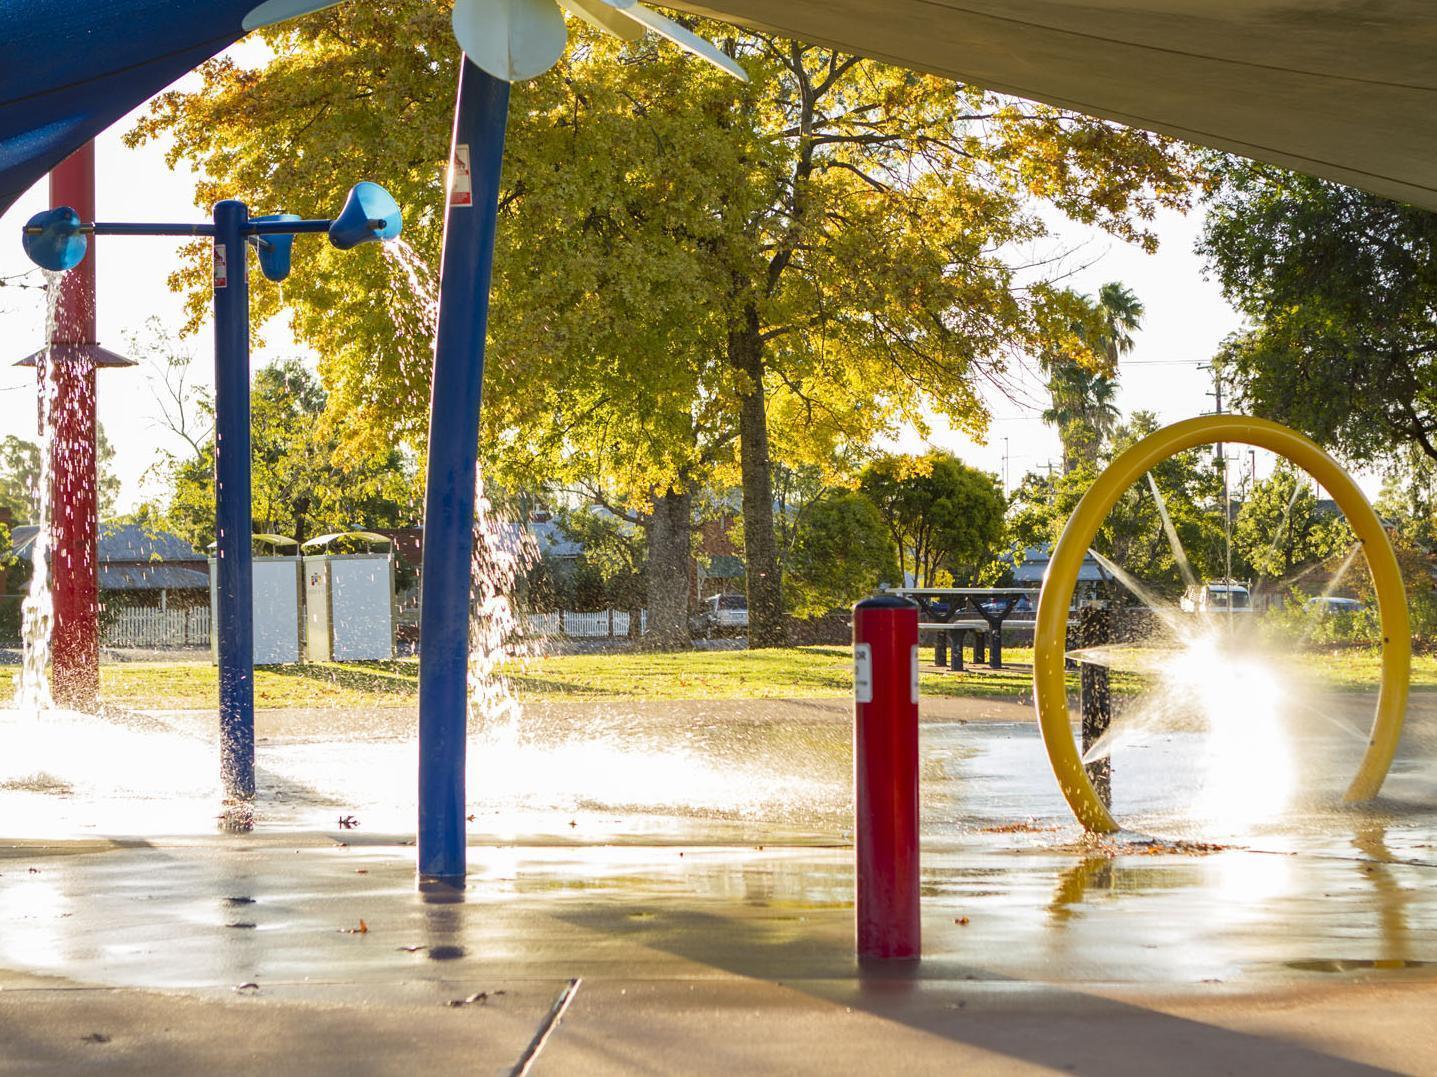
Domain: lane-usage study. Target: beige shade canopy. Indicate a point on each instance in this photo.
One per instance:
(1338, 88)
(364, 536)
(278, 541)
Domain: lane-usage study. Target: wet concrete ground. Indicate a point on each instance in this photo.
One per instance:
(708, 920)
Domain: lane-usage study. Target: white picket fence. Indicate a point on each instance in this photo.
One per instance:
(595, 625)
(147, 627)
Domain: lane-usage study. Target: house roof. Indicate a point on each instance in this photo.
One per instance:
(159, 577)
(133, 542)
(552, 541)
(1035, 567)
(122, 542)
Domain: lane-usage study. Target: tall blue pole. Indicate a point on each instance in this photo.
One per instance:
(233, 525)
(476, 157)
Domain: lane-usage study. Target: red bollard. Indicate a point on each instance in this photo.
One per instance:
(885, 775)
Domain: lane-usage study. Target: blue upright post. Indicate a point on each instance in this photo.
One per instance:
(234, 570)
(56, 240)
(476, 156)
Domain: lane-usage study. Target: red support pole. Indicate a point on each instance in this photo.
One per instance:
(885, 772)
(75, 641)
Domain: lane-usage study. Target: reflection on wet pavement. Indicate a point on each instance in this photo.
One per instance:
(695, 840)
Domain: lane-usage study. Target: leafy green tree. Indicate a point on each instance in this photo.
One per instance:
(614, 554)
(20, 476)
(1339, 287)
(1408, 501)
(1279, 531)
(303, 481)
(676, 301)
(944, 517)
(842, 550)
(1133, 535)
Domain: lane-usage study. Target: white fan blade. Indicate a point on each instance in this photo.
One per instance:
(610, 18)
(512, 40)
(273, 11)
(687, 41)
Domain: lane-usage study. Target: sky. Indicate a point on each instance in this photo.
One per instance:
(1186, 318)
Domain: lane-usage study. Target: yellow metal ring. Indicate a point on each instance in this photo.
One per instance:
(1050, 637)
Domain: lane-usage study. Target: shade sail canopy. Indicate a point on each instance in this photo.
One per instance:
(1337, 88)
(368, 537)
(68, 70)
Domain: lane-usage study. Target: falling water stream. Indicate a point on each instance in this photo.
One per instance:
(1179, 554)
(33, 693)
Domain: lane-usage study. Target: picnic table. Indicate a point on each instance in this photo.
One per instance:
(953, 612)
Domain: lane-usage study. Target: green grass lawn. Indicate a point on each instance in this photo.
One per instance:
(799, 673)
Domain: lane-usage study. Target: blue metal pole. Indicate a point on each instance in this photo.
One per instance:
(476, 157)
(233, 524)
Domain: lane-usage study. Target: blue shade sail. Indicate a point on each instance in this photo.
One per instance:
(70, 69)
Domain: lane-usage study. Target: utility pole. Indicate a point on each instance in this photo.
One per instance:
(1005, 467)
(1221, 461)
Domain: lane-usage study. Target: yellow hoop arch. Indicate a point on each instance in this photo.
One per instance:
(1050, 636)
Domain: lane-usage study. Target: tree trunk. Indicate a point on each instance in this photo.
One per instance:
(669, 536)
(760, 546)
(301, 513)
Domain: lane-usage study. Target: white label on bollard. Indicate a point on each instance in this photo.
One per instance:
(863, 672)
(461, 177)
(913, 666)
(222, 273)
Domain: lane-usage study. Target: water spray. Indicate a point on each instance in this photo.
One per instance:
(57, 240)
(1050, 635)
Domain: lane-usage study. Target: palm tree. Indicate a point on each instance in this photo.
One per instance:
(1084, 404)
(1084, 409)
(1121, 313)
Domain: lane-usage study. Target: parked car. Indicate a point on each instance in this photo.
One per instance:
(721, 615)
(1022, 608)
(1217, 598)
(1323, 605)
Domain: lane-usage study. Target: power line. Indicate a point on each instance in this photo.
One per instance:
(1161, 362)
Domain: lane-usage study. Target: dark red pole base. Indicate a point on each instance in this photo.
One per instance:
(885, 773)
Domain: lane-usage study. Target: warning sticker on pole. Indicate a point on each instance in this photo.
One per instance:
(222, 266)
(461, 177)
(913, 667)
(863, 672)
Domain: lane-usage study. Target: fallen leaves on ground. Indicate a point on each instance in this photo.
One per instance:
(476, 999)
(1027, 826)
(1098, 845)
